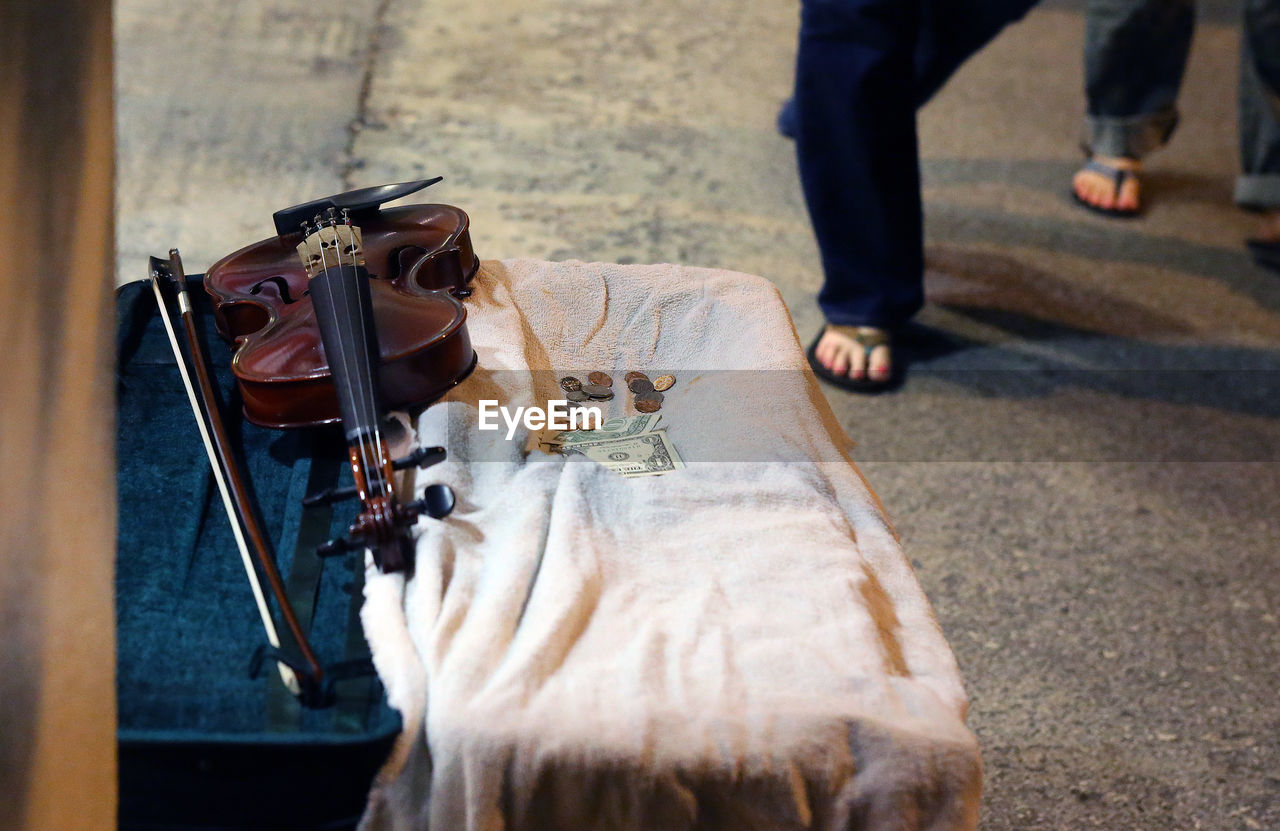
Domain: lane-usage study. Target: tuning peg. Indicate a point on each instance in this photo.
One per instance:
(423, 457)
(437, 502)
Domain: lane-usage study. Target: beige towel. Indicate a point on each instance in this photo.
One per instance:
(737, 645)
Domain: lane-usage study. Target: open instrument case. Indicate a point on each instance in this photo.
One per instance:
(205, 741)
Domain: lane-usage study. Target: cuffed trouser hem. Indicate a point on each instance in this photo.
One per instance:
(880, 318)
(874, 324)
(1130, 137)
(1260, 192)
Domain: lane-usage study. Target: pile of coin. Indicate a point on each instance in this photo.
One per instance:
(599, 387)
(647, 397)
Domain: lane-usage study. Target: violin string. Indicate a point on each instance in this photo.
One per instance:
(366, 392)
(342, 354)
(372, 393)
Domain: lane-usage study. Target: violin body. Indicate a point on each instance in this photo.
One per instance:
(419, 260)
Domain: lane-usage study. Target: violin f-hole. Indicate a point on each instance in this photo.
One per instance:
(282, 286)
(434, 270)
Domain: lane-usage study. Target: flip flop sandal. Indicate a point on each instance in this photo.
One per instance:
(1118, 177)
(868, 339)
(1266, 253)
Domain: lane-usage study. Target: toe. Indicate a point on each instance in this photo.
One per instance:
(1091, 189)
(826, 350)
(1104, 195)
(1269, 226)
(822, 352)
(1080, 184)
(840, 360)
(1128, 198)
(879, 367)
(858, 363)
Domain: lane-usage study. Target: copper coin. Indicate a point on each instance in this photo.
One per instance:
(648, 405)
(640, 385)
(568, 383)
(598, 392)
(576, 395)
(664, 383)
(600, 379)
(631, 376)
(650, 396)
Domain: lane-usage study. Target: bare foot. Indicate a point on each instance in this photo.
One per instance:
(1099, 189)
(1265, 247)
(860, 352)
(1269, 227)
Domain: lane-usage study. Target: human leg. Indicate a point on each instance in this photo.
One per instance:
(1259, 184)
(856, 148)
(1134, 58)
(951, 32)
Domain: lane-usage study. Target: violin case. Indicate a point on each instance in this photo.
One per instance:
(209, 736)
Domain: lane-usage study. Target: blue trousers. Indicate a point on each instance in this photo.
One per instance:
(1135, 52)
(862, 69)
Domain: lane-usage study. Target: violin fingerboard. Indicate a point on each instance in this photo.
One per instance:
(344, 313)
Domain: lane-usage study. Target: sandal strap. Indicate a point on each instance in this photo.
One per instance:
(868, 337)
(1117, 175)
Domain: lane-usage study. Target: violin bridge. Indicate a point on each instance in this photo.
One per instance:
(329, 245)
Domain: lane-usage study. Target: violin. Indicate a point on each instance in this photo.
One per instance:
(350, 310)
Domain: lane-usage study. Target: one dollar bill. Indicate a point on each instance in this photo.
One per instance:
(646, 454)
(613, 428)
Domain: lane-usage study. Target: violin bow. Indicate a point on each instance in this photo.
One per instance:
(229, 478)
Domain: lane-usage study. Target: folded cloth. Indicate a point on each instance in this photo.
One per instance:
(739, 644)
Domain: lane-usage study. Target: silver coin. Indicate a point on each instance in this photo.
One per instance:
(640, 386)
(597, 392)
(576, 395)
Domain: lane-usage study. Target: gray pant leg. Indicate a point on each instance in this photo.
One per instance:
(1259, 183)
(1135, 53)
